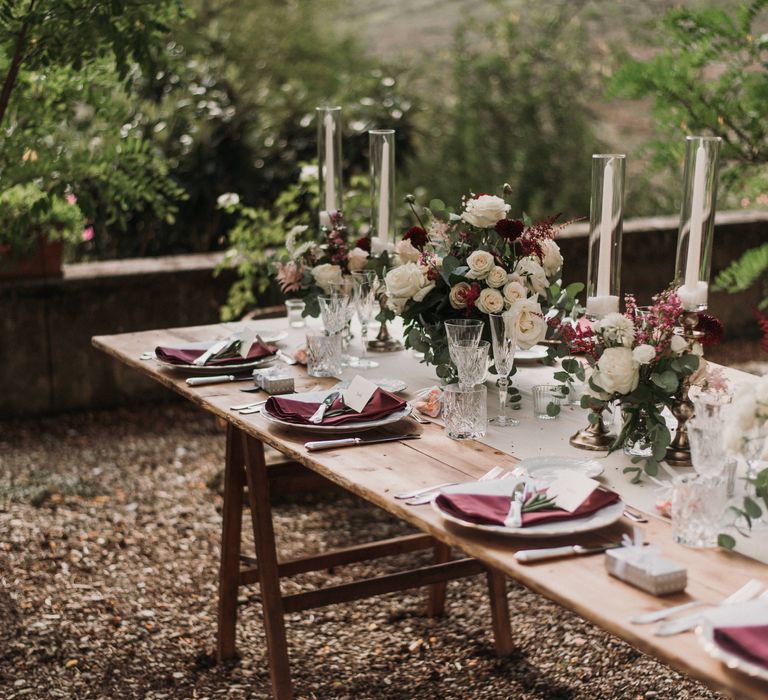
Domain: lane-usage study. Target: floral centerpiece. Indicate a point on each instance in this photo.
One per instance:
(472, 264)
(639, 360)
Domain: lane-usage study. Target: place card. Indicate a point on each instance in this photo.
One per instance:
(247, 339)
(358, 393)
(571, 489)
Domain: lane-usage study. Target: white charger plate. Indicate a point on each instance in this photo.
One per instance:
(752, 613)
(346, 428)
(537, 352)
(505, 487)
(545, 468)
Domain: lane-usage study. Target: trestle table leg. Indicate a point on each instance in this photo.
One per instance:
(436, 602)
(497, 592)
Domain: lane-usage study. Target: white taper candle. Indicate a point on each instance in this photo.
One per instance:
(330, 168)
(696, 231)
(606, 237)
(382, 228)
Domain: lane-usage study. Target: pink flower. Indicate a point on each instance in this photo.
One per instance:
(71, 198)
(289, 276)
(88, 233)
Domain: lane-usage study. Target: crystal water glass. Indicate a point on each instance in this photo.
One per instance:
(545, 395)
(471, 360)
(365, 299)
(323, 354)
(465, 411)
(463, 329)
(504, 336)
(346, 290)
(333, 312)
(698, 507)
(708, 452)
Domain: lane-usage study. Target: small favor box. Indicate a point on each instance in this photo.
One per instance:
(273, 381)
(645, 569)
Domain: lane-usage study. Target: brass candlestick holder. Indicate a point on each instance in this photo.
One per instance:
(384, 342)
(679, 450)
(595, 436)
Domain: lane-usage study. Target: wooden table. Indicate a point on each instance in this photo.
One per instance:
(377, 472)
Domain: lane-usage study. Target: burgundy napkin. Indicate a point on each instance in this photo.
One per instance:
(485, 509)
(750, 643)
(186, 356)
(382, 403)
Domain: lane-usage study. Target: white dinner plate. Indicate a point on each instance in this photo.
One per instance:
(356, 427)
(504, 487)
(393, 386)
(545, 468)
(753, 613)
(537, 352)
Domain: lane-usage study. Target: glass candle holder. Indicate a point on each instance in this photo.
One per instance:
(382, 164)
(697, 220)
(606, 221)
(544, 397)
(294, 309)
(465, 412)
(329, 162)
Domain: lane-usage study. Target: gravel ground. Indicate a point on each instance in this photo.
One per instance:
(109, 528)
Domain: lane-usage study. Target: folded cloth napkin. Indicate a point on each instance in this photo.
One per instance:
(382, 403)
(186, 356)
(484, 509)
(750, 643)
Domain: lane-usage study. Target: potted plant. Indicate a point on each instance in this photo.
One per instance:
(34, 226)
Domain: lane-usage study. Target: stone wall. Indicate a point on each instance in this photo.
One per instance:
(48, 364)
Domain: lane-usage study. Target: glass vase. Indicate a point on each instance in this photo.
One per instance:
(638, 441)
(382, 165)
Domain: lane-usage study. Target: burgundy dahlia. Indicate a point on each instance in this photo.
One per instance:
(417, 236)
(712, 329)
(509, 229)
(364, 243)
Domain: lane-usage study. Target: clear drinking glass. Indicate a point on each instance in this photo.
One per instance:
(346, 290)
(323, 354)
(365, 300)
(698, 507)
(471, 360)
(543, 396)
(465, 412)
(463, 329)
(333, 312)
(294, 308)
(504, 335)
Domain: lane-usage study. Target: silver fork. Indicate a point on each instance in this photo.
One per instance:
(420, 492)
(495, 473)
(748, 591)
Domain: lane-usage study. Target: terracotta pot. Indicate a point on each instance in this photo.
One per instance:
(43, 261)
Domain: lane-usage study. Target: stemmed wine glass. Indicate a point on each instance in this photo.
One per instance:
(365, 287)
(504, 335)
(345, 289)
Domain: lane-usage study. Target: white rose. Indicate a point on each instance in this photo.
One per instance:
(228, 199)
(357, 259)
(644, 354)
(406, 251)
(326, 275)
(697, 349)
(529, 321)
(591, 373)
(309, 173)
(617, 371)
(406, 282)
(617, 329)
(480, 263)
(678, 344)
(551, 258)
(514, 291)
(497, 277)
(458, 295)
(533, 274)
(761, 389)
(485, 210)
(490, 301)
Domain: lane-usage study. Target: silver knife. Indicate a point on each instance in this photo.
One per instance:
(526, 556)
(215, 349)
(219, 379)
(354, 442)
(325, 404)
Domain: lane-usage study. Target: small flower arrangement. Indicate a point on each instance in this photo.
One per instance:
(639, 360)
(471, 264)
(746, 436)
